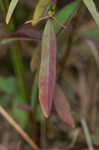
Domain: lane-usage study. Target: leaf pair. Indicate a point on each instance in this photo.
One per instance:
(47, 78)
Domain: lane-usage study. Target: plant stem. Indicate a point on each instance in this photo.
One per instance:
(19, 69)
(2, 6)
(17, 59)
(34, 104)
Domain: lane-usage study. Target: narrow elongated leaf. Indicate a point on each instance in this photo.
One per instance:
(47, 75)
(22, 34)
(62, 106)
(90, 33)
(65, 14)
(39, 114)
(34, 95)
(29, 33)
(92, 8)
(12, 6)
(35, 61)
(2, 6)
(40, 9)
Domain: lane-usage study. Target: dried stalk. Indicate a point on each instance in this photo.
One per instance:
(19, 129)
(94, 85)
(94, 51)
(87, 133)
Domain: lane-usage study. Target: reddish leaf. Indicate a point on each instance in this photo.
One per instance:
(28, 33)
(22, 34)
(62, 106)
(47, 75)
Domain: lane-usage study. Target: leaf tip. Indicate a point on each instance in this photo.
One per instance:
(72, 123)
(6, 21)
(45, 113)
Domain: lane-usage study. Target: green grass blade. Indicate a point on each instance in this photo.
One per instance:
(12, 6)
(92, 9)
(2, 6)
(40, 9)
(92, 33)
(34, 90)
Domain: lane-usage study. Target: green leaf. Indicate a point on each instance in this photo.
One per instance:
(8, 85)
(21, 116)
(12, 6)
(4, 100)
(95, 137)
(39, 114)
(94, 33)
(40, 9)
(34, 90)
(2, 6)
(65, 14)
(92, 9)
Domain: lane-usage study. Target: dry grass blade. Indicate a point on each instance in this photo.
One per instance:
(93, 50)
(75, 136)
(95, 54)
(18, 128)
(84, 94)
(87, 134)
(93, 90)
